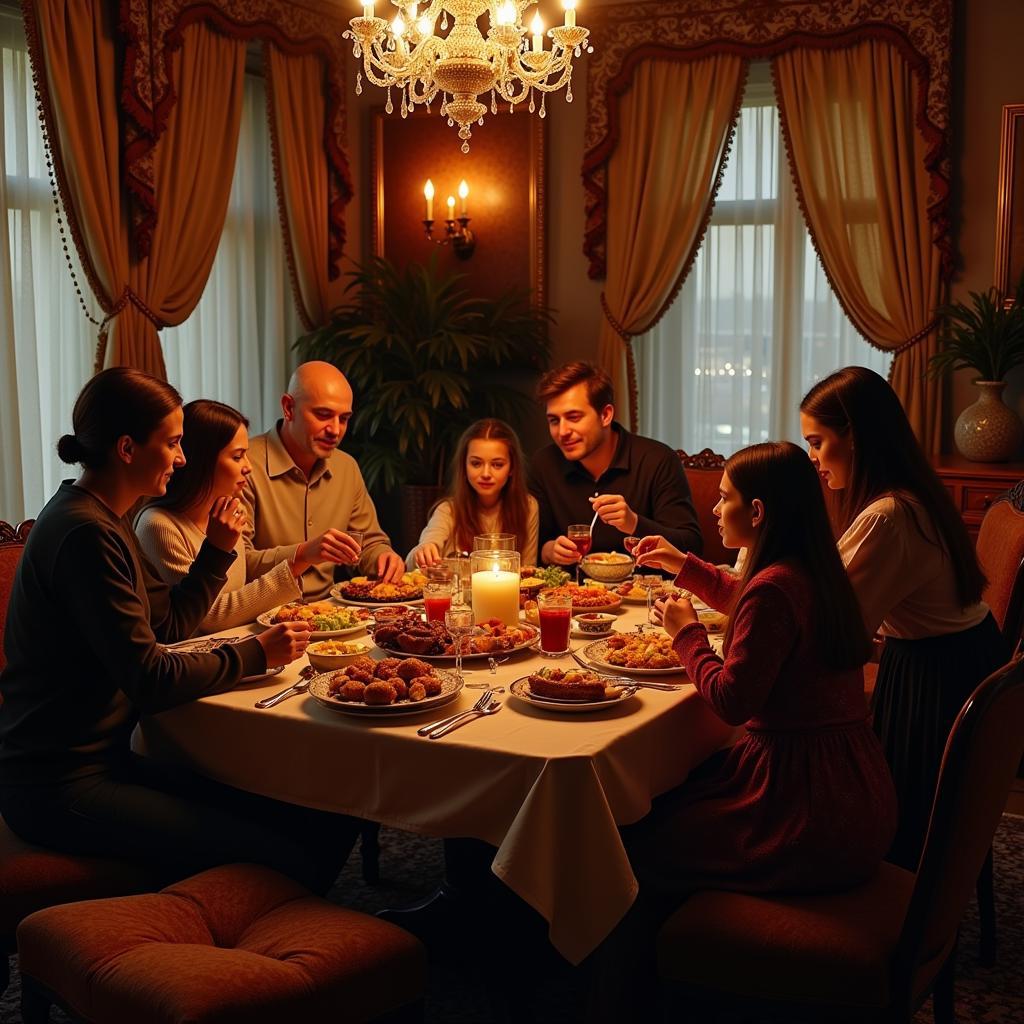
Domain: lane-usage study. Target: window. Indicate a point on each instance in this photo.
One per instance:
(756, 323)
(236, 346)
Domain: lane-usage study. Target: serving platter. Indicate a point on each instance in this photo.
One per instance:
(267, 619)
(368, 602)
(469, 655)
(521, 689)
(319, 690)
(596, 654)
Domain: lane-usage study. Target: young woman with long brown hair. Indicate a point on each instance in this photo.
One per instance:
(916, 576)
(803, 802)
(487, 495)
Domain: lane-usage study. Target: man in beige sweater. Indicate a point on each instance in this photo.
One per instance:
(304, 495)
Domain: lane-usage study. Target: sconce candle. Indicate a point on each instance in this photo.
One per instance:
(428, 193)
(451, 207)
(463, 192)
(537, 28)
(570, 13)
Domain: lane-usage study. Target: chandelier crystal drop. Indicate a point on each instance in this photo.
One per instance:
(408, 54)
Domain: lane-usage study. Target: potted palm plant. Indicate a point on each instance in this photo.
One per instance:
(986, 335)
(425, 359)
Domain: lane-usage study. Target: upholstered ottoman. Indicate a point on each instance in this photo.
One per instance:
(238, 943)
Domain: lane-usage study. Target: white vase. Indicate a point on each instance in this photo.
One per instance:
(988, 430)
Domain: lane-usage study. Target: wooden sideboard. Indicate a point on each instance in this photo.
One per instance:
(975, 485)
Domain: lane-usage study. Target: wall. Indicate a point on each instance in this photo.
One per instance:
(987, 74)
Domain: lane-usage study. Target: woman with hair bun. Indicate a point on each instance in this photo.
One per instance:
(86, 624)
(171, 529)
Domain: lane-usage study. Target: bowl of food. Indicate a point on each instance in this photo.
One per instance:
(329, 655)
(607, 566)
(594, 623)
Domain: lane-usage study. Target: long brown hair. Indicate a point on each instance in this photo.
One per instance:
(514, 509)
(208, 428)
(887, 460)
(795, 529)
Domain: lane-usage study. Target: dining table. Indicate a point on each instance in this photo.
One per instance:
(548, 789)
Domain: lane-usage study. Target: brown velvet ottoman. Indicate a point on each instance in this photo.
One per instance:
(238, 943)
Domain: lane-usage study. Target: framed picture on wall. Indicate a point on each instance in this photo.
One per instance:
(1010, 208)
(504, 171)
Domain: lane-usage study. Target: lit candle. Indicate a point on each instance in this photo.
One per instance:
(463, 192)
(506, 14)
(428, 192)
(570, 13)
(496, 596)
(398, 29)
(451, 207)
(537, 28)
(367, 8)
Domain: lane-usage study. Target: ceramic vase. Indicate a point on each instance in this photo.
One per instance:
(988, 430)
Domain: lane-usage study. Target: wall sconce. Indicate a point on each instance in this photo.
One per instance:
(456, 229)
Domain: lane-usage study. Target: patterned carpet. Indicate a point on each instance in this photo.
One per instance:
(473, 979)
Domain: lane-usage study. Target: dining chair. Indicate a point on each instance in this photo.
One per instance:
(12, 543)
(703, 473)
(874, 952)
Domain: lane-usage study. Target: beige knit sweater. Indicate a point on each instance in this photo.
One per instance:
(171, 542)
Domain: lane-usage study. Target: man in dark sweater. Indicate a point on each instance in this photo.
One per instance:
(635, 485)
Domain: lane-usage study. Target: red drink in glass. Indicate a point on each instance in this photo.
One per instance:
(554, 629)
(582, 543)
(436, 606)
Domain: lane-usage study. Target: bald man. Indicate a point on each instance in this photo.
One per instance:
(303, 494)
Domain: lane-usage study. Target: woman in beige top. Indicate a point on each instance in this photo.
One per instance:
(916, 575)
(171, 529)
(488, 495)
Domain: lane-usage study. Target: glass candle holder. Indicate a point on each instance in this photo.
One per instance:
(495, 582)
(494, 542)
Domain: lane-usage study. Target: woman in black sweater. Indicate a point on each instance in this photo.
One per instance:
(86, 624)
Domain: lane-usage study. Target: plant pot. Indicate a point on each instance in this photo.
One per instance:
(989, 430)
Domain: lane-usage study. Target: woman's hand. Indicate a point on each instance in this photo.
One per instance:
(676, 612)
(227, 519)
(659, 554)
(428, 555)
(285, 642)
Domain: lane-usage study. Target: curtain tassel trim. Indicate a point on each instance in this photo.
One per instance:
(627, 341)
(127, 296)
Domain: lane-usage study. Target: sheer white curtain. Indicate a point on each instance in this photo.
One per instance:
(756, 323)
(235, 347)
(47, 343)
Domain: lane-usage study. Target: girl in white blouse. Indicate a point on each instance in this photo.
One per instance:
(488, 495)
(172, 529)
(916, 575)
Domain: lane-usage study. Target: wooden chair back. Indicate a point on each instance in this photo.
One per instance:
(12, 543)
(1000, 549)
(703, 473)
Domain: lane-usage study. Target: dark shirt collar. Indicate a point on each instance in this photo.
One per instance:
(620, 460)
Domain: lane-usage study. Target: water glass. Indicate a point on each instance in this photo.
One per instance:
(460, 623)
(461, 571)
(357, 537)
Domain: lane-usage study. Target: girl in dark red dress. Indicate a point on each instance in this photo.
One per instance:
(804, 802)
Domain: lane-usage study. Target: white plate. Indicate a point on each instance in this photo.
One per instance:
(267, 619)
(596, 652)
(262, 675)
(578, 634)
(319, 685)
(469, 656)
(521, 689)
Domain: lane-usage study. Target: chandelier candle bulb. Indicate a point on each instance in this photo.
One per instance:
(570, 13)
(463, 192)
(428, 193)
(537, 28)
(368, 10)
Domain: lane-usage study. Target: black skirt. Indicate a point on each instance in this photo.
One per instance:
(920, 689)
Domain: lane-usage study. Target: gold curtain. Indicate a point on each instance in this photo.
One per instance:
(296, 97)
(860, 169)
(73, 48)
(676, 119)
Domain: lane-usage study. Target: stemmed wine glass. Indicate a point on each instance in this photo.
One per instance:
(460, 624)
(579, 534)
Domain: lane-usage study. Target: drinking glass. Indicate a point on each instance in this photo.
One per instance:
(579, 534)
(437, 599)
(629, 543)
(357, 536)
(555, 613)
(494, 542)
(460, 569)
(460, 623)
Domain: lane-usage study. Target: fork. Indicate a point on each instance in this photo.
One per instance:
(305, 677)
(485, 699)
(492, 709)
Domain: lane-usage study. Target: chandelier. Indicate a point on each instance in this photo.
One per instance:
(511, 63)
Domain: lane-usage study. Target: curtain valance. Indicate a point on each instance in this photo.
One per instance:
(626, 35)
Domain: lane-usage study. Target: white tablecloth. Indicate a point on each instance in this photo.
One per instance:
(548, 790)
